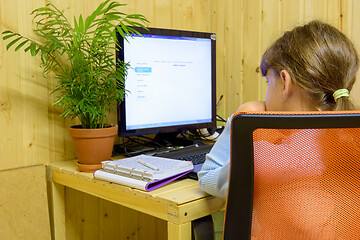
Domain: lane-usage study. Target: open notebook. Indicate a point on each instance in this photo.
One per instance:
(143, 172)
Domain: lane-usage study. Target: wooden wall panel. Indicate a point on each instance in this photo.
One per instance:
(252, 49)
(23, 204)
(30, 128)
(271, 25)
(236, 62)
(350, 12)
(23, 95)
(217, 25)
(162, 14)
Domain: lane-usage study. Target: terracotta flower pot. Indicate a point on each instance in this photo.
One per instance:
(93, 146)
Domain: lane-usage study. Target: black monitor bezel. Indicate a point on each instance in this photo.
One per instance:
(178, 128)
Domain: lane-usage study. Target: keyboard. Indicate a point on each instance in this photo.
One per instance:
(195, 154)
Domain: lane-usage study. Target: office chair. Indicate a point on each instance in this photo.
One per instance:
(294, 175)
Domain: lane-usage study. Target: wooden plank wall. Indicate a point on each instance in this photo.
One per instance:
(31, 132)
(23, 210)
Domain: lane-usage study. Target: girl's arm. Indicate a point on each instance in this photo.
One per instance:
(214, 175)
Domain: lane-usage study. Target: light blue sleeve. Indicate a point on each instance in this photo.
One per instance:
(214, 174)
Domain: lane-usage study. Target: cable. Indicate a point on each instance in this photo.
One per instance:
(220, 119)
(141, 143)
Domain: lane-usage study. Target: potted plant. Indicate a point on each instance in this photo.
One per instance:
(82, 57)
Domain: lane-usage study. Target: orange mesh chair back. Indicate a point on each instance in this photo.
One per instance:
(294, 176)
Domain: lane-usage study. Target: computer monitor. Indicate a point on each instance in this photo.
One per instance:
(171, 82)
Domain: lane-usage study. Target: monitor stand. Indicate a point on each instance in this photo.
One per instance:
(172, 139)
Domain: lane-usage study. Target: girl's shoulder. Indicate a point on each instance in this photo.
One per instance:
(253, 106)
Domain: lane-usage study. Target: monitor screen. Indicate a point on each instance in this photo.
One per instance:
(170, 82)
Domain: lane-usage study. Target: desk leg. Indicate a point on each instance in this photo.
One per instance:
(58, 206)
(179, 232)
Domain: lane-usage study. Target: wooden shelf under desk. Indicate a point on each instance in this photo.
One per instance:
(178, 203)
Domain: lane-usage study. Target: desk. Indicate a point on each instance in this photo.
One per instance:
(178, 203)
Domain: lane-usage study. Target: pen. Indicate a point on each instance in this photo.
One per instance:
(147, 165)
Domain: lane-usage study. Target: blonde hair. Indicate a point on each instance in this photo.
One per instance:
(320, 59)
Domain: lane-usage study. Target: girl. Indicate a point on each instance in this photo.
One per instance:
(311, 68)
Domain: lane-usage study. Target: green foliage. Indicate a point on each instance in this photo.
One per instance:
(82, 57)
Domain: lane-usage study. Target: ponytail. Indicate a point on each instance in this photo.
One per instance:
(344, 103)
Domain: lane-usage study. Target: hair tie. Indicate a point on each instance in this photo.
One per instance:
(340, 93)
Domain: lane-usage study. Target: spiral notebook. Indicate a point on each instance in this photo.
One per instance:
(143, 172)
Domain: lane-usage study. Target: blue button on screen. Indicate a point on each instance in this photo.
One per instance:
(143, 69)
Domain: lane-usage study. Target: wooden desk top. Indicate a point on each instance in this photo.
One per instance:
(179, 201)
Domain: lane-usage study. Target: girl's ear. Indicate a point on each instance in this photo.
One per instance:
(286, 84)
